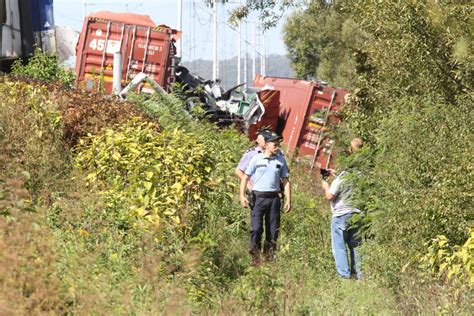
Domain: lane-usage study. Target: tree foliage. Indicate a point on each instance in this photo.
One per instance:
(410, 66)
(321, 42)
(413, 104)
(270, 11)
(420, 49)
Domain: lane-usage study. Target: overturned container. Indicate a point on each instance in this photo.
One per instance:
(307, 113)
(144, 47)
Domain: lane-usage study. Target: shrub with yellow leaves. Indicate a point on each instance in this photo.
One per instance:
(162, 176)
(453, 263)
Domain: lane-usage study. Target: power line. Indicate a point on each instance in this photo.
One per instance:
(228, 25)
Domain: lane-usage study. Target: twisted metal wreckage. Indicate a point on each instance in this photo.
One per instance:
(243, 107)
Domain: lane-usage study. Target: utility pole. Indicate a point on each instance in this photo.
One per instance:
(245, 57)
(180, 27)
(239, 54)
(239, 50)
(254, 51)
(260, 47)
(264, 54)
(215, 66)
(194, 36)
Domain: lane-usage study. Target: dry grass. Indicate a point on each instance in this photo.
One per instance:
(28, 280)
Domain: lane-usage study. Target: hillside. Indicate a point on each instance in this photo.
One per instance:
(131, 208)
(277, 65)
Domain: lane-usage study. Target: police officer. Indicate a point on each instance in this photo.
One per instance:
(248, 155)
(267, 170)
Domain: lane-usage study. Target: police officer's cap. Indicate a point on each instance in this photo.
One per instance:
(264, 131)
(271, 137)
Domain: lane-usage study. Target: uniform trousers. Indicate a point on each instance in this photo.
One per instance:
(267, 208)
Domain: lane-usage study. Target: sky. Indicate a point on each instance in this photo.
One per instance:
(197, 24)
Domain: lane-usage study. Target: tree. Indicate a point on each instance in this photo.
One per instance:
(270, 11)
(321, 41)
(420, 49)
(412, 103)
(321, 38)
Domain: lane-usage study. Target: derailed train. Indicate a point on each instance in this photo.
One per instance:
(25, 24)
(304, 112)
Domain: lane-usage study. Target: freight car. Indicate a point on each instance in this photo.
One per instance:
(144, 47)
(308, 111)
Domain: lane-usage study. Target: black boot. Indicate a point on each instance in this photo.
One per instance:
(255, 253)
(269, 248)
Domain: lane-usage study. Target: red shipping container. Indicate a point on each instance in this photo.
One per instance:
(145, 47)
(303, 111)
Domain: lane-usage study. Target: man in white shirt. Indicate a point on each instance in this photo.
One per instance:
(339, 193)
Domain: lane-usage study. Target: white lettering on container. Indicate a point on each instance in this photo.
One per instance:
(151, 48)
(96, 44)
(99, 45)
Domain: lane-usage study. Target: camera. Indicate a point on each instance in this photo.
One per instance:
(325, 173)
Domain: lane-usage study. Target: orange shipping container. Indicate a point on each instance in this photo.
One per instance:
(303, 108)
(145, 47)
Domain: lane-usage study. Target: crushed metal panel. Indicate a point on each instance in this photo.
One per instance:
(270, 100)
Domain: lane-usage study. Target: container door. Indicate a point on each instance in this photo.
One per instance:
(149, 51)
(316, 126)
(101, 41)
(321, 120)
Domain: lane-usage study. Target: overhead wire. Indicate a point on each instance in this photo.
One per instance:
(205, 22)
(194, 37)
(228, 25)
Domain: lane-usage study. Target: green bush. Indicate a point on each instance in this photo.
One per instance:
(33, 163)
(164, 175)
(454, 263)
(44, 67)
(413, 106)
